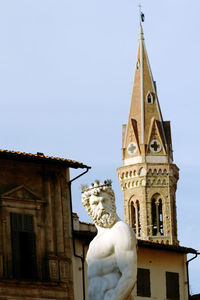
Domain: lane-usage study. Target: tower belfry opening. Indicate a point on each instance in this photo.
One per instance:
(148, 176)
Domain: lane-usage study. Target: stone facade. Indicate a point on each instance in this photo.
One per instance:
(35, 233)
(140, 184)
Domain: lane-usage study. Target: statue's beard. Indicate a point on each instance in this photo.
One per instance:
(103, 218)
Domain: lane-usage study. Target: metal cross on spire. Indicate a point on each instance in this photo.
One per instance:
(141, 13)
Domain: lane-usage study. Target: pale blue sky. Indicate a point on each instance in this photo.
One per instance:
(66, 73)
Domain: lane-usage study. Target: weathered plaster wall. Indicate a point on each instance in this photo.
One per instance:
(159, 262)
(38, 189)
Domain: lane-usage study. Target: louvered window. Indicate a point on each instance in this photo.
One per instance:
(143, 283)
(23, 246)
(172, 286)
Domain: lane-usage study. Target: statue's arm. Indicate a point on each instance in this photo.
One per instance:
(126, 256)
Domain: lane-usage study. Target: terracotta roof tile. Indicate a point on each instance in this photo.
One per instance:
(176, 248)
(40, 157)
(87, 223)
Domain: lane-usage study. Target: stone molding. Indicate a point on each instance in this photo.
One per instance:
(21, 196)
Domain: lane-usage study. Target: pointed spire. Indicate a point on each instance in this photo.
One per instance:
(141, 41)
(144, 107)
(141, 33)
(148, 175)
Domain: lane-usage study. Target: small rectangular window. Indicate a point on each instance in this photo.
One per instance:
(23, 246)
(172, 286)
(149, 100)
(143, 283)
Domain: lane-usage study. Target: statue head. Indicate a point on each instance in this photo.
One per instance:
(99, 201)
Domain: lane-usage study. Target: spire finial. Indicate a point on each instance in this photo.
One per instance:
(141, 13)
(141, 36)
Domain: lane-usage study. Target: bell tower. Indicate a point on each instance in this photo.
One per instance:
(148, 176)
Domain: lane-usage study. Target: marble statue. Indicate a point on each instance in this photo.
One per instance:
(111, 257)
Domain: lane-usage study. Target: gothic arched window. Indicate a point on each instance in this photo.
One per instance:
(154, 219)
(133, 214)
(160, 216)
(135, 217)
(138, 217)
(149, 98)
(157, 216)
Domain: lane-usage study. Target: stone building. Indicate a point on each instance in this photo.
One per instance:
(36, 249)
(42, 250)
(148, 178)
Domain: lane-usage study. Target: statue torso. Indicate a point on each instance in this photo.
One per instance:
(103, 272)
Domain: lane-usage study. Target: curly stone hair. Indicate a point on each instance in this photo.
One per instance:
(95, 189)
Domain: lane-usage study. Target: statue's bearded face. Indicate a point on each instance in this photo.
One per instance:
(102, 209)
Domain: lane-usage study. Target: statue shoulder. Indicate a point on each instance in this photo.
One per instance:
(121, 225)
(124, 234)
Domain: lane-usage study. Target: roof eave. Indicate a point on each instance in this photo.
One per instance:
(88, 236)
(38, 158)
(164, 247)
